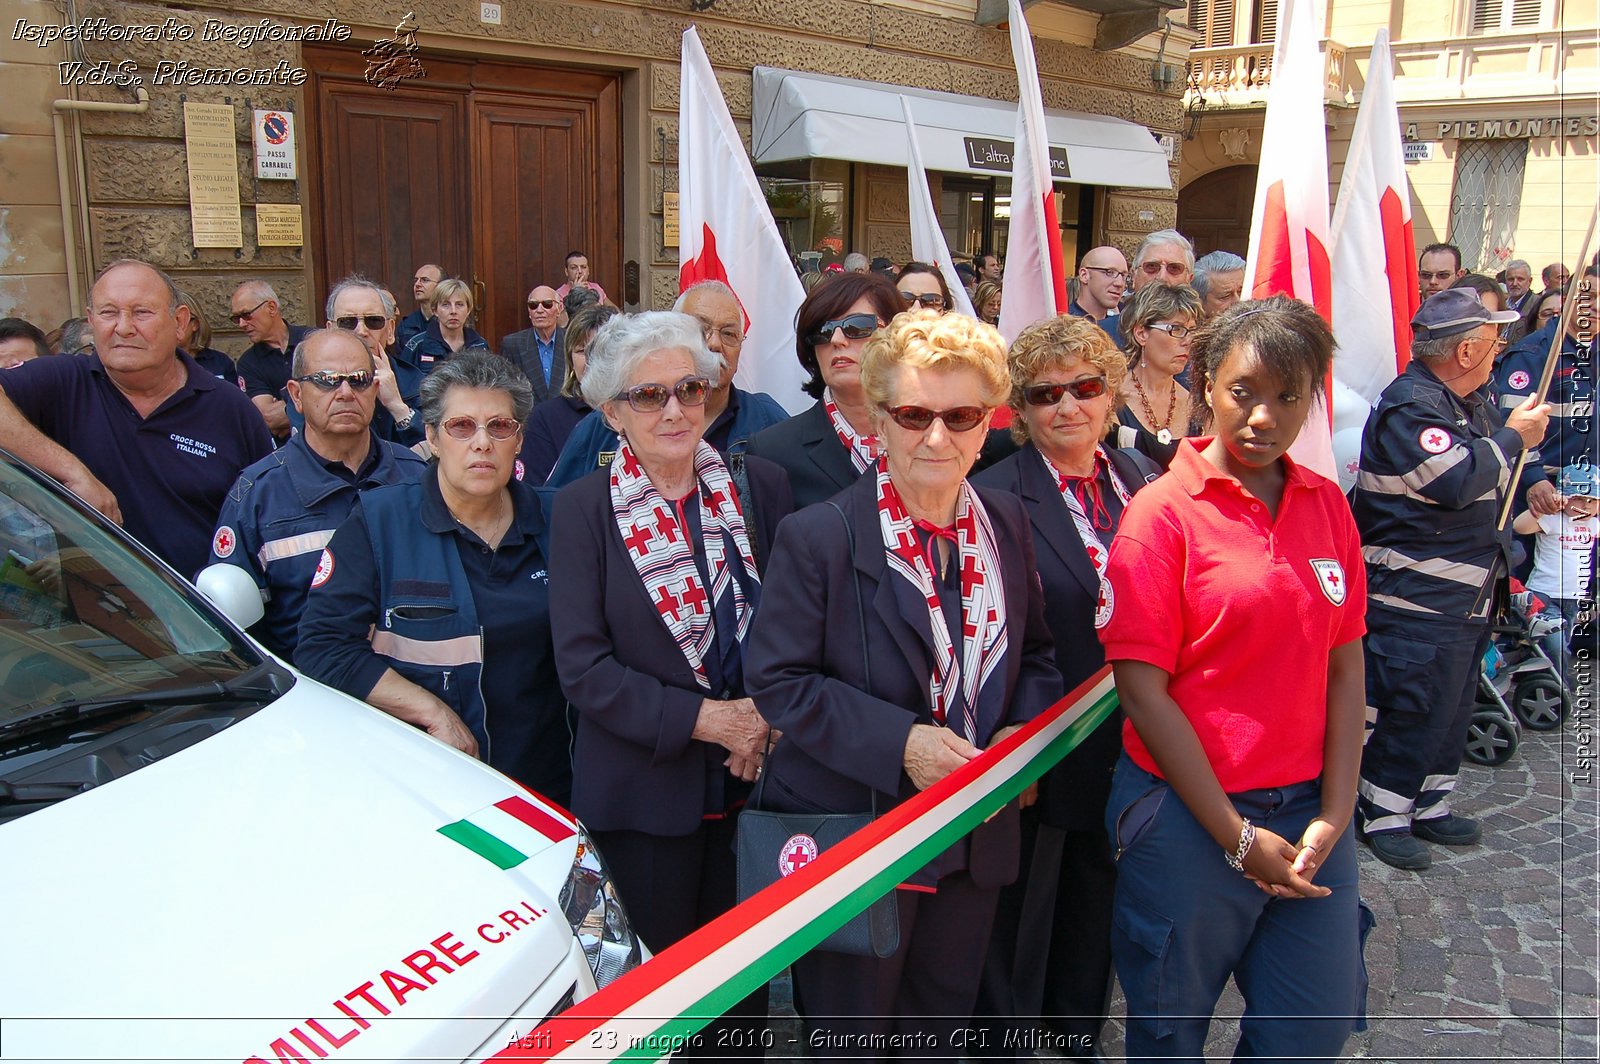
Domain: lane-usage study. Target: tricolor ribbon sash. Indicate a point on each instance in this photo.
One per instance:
(681, 989)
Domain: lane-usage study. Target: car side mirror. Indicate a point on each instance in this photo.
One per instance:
(231, 590)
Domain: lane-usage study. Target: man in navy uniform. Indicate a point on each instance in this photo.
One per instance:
(137, 429)
(264, 365)
(1436, 462)
(1574, 434)
(422, 286)
(285, 508)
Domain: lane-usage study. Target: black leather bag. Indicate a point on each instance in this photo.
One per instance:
(771, 844)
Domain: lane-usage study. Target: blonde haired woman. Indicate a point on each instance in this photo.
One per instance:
(860, 658)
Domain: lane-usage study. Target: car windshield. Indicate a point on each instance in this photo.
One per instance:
(84, 619)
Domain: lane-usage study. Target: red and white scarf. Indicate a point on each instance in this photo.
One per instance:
(665, 561)
(1091, 541)
(863, 449)
(983, 601)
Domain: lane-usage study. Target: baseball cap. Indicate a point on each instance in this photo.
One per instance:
(1578, 480)
(1455, 310)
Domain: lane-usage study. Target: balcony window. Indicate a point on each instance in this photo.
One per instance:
(1486, 201)
(1489, 16)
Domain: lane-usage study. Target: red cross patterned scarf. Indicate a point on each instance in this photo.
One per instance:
(1082, 496)
(983, 602)
(665, 561)
(863, 450)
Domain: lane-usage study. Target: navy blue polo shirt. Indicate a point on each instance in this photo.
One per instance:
(217, 364)
(265, 368)
(170, 471)
(525, 712)
(284, 510)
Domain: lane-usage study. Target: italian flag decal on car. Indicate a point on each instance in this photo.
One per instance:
(508, 832)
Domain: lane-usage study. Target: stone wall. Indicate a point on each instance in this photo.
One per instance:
(136, 164)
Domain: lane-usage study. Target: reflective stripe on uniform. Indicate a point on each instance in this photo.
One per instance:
(1474, 576)
(276, 550)
(461, 650)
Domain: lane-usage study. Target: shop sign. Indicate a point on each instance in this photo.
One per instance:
(986, 153)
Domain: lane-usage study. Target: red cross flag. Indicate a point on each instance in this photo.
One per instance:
(1289, 223)
(1036, 272)
(726, 233)
(1374, 253)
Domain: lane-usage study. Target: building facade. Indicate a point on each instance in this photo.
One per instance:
(1498, 100)
(298, 143)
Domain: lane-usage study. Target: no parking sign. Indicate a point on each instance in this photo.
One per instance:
(275, 152)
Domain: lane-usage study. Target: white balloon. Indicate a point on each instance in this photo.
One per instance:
(1346, 455)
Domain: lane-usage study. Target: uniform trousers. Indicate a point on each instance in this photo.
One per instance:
(1183, 921)
(1422, 680)
(673, 885)
(915, 1004)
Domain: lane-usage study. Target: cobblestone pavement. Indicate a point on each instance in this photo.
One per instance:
(1492, 953)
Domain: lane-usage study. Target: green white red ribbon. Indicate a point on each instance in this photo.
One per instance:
(666, 1000)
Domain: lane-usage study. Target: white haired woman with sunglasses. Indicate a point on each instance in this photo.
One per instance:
(1066, 379)
(904, 632)
(431, 600)
(655, 560)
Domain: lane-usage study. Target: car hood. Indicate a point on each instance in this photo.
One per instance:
(284, 880)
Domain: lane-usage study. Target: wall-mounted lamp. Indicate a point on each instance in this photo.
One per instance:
(1196, 108)
(1164, 75)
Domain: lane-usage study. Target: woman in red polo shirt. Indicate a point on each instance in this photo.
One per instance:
(1239, 601)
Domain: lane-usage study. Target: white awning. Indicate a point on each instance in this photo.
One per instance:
(816, 116)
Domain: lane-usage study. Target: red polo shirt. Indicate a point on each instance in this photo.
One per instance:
(1242, 611)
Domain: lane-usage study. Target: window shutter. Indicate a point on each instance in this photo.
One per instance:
(1486, 14)
(1213, 21)
(1264, 22)
(1525, 12)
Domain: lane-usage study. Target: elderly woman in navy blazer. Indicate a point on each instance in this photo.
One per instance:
(896, 707)
(1066, 379)
(654, 563)
(826, 448)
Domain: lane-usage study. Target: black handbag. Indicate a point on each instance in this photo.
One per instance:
(770, 844)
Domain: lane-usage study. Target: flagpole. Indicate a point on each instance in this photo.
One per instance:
(1568, 305)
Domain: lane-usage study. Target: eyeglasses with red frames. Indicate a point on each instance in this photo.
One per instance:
(500, 429)
(1050, 393)
(919, 418)
(648, 398)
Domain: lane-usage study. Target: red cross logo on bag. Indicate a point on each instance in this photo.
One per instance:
(795, 854)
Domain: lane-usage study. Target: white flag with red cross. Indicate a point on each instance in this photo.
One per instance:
(726, 233)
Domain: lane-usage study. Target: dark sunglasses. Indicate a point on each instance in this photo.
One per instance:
(648, 398)
(373, 322)
(542, 304)
(328, 381)
(1050, 394)
(246, 315)
(499, 429)
(927, 299)
(918, 418)
(856, 327)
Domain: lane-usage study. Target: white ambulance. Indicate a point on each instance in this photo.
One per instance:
(205, 856)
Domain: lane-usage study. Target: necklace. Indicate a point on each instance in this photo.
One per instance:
(1164, 430)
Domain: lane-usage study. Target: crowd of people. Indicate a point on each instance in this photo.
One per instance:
(582, 554)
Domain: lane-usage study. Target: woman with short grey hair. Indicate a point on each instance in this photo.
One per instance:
(628, 339)
(656, 563)
(431, 601)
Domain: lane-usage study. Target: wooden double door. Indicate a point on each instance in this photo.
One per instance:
(493, 170)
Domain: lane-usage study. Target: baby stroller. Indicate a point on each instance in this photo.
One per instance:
(1518, 684)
